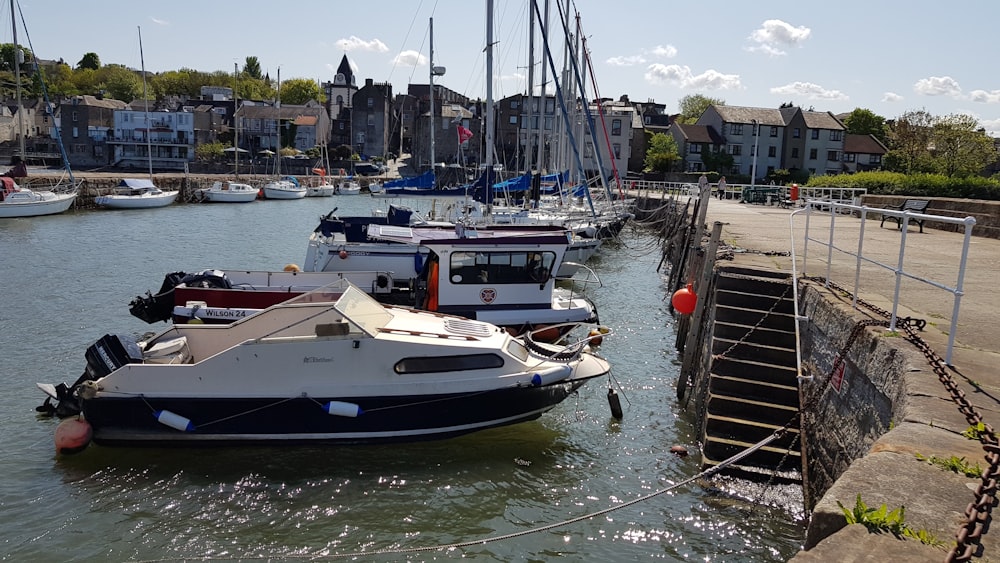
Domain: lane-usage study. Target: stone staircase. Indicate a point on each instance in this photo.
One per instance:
(752, 388)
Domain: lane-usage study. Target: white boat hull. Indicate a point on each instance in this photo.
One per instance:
(46, 203)
(144, 201)
(233, 193)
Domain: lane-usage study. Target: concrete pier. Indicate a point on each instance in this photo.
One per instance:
(894, 410)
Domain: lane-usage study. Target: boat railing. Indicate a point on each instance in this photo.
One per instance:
(591, 277)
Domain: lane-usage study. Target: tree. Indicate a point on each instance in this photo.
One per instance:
(717, 161)
(693, 105)
(89, 60)
(251, 68)
(661, 154)
(342, 152)
(7, 56)
(960, 147)
(120, 83)
(209, 152)
(909, 143)
(865, 122)
(298, 91)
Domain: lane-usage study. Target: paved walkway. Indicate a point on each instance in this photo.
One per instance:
(758, 229)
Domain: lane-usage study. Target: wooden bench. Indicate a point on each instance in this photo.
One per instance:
(914, 205)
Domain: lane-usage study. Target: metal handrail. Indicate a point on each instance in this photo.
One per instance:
(834, 209)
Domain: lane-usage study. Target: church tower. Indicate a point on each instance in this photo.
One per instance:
(339, 100)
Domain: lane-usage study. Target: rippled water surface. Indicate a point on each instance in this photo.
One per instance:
(66, 280)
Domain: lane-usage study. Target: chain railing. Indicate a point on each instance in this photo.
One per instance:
(835, 211)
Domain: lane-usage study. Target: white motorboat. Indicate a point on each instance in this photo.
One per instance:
(325, 189)
(331, 366)
(284, 188)
(348, 187)
(16, 201)
(136, 193)
(230, 192)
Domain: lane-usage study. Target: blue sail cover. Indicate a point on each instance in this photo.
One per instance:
(554, 182)
(425, 180)
(519, 184)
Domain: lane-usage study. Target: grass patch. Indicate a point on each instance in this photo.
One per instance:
(881, 519)
(954, 464)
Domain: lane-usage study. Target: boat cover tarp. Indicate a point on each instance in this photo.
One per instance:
(137, 183)
(519, 184)
(425, 180)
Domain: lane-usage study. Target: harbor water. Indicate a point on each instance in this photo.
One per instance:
(519, 493)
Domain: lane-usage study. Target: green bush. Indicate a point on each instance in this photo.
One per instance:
(925, 185)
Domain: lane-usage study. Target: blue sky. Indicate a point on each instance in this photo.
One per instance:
(889, 57)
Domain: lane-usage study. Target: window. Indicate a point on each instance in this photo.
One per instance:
(501, 267)
(513, 104)
(774, 131)
(616, 127)
(513, 120)
(548, 123)
(406, 117)
(849, 157)
(371, 102)
(74, 117)
(431, 364)
(736, 128)
(772, 151)
(371, 120)
(753, 150)
(588, 150)
(832, 156)
(735, 150)
(617, 148)
(646, 120)
(550, 106)
(835, 135)
(340, 100)
(796, 133)
(812, 154)
(795, 152)
(875, 159)
(694, 148)
(815, 133)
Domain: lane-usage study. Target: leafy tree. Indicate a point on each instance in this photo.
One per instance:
(120, 83)
(89, 60)
(909, 143)
(661, 154)
(8, 56)
(717, 161)
(251, 68)
(960, 147)
(865, 122)
(298, 91)
(693, 105)
(209, 152)
(59, 81)
(342, 152)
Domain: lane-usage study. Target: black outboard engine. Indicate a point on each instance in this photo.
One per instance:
(160, 307)
(109, 353)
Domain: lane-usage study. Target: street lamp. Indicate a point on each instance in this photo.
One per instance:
(756, 140)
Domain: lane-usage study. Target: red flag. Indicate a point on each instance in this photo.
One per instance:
(464, 134)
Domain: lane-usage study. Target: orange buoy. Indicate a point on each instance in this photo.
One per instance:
(292, 268)
(343, 255)
(684, 300)
(73, 435)
(546, 334)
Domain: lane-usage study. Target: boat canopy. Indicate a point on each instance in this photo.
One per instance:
(137, 183)
(425, 181)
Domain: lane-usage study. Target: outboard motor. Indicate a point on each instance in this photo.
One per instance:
(109, 353)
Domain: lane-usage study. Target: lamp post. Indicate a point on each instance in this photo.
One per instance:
(756, 140)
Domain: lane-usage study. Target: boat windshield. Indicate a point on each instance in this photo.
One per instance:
(363, 310)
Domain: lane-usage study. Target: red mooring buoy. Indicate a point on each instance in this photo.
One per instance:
(73, 435)
(684, 300)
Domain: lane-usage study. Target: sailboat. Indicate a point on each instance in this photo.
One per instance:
(281, 187)
(139, 193)
(17, 201)
(228, 191)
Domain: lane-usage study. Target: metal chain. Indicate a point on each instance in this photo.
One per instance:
(968, 537)
(756, 326)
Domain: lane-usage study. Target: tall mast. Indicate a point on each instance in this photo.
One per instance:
(490, 125)
(528, 156)
(542, 100)
(18, 59)
(236, 116)
(145, 99)
(430, 79)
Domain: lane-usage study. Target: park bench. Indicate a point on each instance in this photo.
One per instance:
(914, 205)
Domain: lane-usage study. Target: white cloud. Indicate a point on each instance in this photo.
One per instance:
(891, 97)
(985, 97)
(681, 76)
(626, 61)
(775, 34)
(666, 51)
(810, 91)
(354, 43)
(159, 21)
(938, 86)
(409, 58)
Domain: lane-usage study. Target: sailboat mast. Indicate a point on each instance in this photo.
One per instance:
(145, 98)
(542, 99)
(490, 125)
(431, 91)
(18, 59)
(236, 116)
(528, 156)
